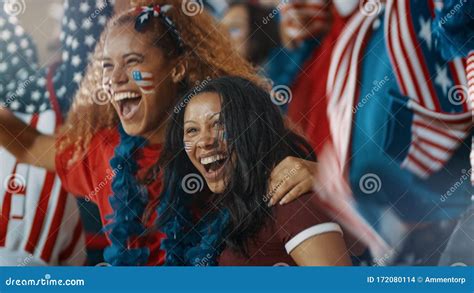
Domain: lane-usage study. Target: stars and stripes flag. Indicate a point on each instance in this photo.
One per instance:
(440, 123)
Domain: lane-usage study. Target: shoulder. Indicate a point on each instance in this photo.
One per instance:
(302, 219)
(107, 137)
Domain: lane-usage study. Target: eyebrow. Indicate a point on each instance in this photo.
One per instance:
(124, 56)
(210, 117)
(131, 54)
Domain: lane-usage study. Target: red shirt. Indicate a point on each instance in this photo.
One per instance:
(91, 176)
(288, 226)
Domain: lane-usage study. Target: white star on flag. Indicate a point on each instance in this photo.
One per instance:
(77, 77)
(84, 8)
(442, 78)
(36, 95)
(76, 61)
(425, 31)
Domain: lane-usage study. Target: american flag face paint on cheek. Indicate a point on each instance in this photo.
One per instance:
(188, 146)
(145, 82)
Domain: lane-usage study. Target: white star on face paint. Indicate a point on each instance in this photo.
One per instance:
(425, 31)
(442, 78)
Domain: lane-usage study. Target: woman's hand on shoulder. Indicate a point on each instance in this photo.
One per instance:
(290, 179)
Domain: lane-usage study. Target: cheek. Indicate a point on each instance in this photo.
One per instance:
(190, 149)
(145, 81)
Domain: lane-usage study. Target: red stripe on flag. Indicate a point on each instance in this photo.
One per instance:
(66, 253)
(5, 214)
(55, 226)
(40, 213)
(433, 96)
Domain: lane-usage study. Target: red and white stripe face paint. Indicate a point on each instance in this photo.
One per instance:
(188, 146)
(145, 81)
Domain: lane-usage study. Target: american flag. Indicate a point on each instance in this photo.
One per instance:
(23, 81)
(439, 125)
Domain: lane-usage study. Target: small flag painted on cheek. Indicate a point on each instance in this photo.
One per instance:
(188, 146)
(144, 80)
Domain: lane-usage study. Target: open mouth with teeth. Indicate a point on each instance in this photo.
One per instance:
(128, 103)
(214, 164)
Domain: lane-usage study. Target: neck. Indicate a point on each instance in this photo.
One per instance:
(156, 136)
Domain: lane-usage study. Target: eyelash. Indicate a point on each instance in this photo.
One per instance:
(130, 61)
(189, 130)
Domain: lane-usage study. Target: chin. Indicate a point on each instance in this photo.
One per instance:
(132, 129)
(216, 187)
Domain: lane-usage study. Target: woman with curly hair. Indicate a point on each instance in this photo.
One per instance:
(111, 141)
(235, 160)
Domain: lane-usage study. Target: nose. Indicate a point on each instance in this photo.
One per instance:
(119, 76)
(207, 140)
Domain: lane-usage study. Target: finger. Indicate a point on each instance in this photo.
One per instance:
(294, 193)
(285, 185)
(285, 164)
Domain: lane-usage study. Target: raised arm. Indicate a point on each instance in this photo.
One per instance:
(26, 143)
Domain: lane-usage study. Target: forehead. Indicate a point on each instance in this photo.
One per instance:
(122, 39)
(203, 106)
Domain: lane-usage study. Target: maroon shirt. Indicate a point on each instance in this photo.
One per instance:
(289, 225)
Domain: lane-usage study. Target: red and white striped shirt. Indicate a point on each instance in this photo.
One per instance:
(40, 222)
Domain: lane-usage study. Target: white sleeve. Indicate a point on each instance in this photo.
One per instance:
(310, 232)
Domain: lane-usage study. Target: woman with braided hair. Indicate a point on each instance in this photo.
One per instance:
(111, 141)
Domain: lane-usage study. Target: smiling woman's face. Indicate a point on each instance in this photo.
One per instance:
(204, 139)
(137, 74)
